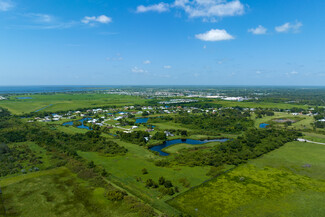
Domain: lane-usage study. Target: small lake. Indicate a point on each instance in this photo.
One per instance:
(82, 126)
(158, 148)
(263, 125)
(141, 120)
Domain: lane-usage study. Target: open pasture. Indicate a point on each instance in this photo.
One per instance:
(285, 182)
(63, 102)
(126, 171)
(56, 192)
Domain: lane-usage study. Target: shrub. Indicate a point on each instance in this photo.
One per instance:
(144, 171)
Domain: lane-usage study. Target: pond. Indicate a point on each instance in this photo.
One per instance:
(263, 125)
(82, 126)
(141, 120)
(158, 148)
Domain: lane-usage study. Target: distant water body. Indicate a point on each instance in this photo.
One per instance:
(49, 89)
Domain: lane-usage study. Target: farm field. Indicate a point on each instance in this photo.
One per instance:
(56, 192)
(284, 182)
(59, 102)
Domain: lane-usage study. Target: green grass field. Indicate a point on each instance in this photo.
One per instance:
(177, 147)
(59, 102)
(277, 184)
(258, 104)
(125, 169)
(314, 137)
(56, 192)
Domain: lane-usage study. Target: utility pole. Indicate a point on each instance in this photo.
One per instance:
(4, 208)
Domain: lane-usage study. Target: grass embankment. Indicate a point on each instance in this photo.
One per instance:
(63, 102)
(56, 192)
(286, 182)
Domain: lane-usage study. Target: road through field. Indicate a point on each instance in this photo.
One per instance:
(305, 140)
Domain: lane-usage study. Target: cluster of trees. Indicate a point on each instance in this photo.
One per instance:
(17, 159)
(90, 141)
(4, 112)
(264, 112)
(252, 144)
(136, 137)
(166, 187)
(317, 123)
(227, 121)
(14, 130)
(159, 136)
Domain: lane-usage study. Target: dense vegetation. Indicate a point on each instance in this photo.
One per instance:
(226, 120)
(137, 137)
(252, 144)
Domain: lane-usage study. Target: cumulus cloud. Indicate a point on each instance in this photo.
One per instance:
(199, 8)
(100, 19)
(214, 35)
(260, 30)
(161, 7)
(146, 62)
(289, 27)
(167, 67)
(138, 70)
(6, 5)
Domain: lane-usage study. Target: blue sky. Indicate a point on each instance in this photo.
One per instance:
(202, 42)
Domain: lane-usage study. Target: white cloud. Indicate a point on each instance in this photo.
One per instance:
(214, 35)
(6, 5)
(258, 72)
(100, 19)
(117, 57)
(167, 67)
(199, 8)
(289, 27)
(146, 62)
(44, 18)
(214, 8)
(260, 30)
(139, 70)
(161, 7)
(294, 72)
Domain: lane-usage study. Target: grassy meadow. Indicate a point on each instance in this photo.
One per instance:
(126, 172)
(59, 102)
(56, 192)
(285, 182)
(257, 104)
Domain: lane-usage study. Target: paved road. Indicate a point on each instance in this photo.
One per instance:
(305, 140)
